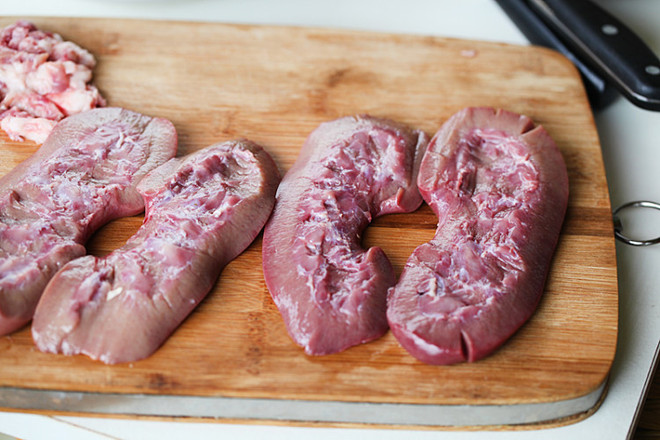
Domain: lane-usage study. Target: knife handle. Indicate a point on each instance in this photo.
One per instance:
(608, 45)
(599, 91)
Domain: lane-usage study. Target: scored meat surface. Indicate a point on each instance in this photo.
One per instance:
(499, 187)
(202, 211)
(43, 79)
(83, 176)
(330, 292)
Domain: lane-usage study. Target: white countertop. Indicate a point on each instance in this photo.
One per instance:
(631, 150)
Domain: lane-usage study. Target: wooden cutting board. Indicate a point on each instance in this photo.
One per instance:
(232, 358)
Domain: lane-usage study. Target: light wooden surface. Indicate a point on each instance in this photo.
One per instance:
(274, 85)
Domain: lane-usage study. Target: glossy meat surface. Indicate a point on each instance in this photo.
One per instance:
(331, 292)
(202, 211)
(83, 176)
(43, 79)
(499, 187)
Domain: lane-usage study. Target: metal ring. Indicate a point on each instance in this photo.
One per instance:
(618, 226)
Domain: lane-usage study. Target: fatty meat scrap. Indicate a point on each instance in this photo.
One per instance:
(43, 79)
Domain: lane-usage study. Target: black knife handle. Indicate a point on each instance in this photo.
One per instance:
(599, 91)
(609, 45)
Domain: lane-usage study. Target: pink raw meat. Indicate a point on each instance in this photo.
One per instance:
(202, 211)
(330, 292)
(499, 187)
(83, 176)
(43, 79)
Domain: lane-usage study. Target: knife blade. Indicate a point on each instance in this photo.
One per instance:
(599, 91)
(607, 45)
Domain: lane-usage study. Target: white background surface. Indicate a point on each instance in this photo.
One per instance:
(630, 138)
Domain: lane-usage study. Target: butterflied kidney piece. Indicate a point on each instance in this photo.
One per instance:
(499, 187)
(83, 176)
(202, 211)
(330, 291)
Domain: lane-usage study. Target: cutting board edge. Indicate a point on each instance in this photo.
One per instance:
(304, 412)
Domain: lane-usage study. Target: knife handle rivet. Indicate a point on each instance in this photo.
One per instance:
(652, 70)
(609, 29)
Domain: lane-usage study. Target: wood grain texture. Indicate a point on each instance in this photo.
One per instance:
(274, 85)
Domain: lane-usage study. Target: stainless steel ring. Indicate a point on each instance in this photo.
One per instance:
(618, 226)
